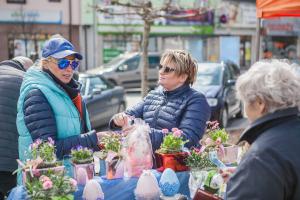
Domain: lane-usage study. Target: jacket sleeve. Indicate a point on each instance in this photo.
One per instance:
(193, 123)
(136, 111)
(257, 178)
(40, 122)
(194, 118)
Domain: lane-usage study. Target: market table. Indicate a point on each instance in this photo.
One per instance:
(117, 189)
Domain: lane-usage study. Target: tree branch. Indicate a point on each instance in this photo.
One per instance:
(107, 11)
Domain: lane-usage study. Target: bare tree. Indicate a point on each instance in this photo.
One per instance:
(148, 14)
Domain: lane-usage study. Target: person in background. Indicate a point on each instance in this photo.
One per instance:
(11, 76)
(269, 91)
(173, 104)
(50, 103)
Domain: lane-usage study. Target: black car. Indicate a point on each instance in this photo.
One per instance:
(103, 98)
(217, 82)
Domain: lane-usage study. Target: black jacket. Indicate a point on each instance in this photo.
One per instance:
(270, 170)
(11, 76)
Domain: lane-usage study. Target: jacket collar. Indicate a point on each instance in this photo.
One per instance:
(177, 91)
(263, 123)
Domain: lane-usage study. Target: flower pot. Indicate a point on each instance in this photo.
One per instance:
(196, 180)
(175, 161)
(204, 195)
(88, 167)
(114, 168)
(230, 154)
(29, 175)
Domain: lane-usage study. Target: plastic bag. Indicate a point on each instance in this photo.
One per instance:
(137, 149)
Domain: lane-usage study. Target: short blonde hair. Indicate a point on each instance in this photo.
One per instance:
(273, 81)
(184, 62)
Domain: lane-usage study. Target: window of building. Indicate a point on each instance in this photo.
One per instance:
(16, 1)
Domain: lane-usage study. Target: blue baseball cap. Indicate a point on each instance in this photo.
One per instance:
(59, 48)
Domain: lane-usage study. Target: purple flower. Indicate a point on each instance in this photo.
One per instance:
(79, 147)
(50, 140)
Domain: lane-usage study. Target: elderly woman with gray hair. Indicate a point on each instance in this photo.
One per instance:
(270, 169)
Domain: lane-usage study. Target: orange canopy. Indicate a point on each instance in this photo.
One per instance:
(277, 8)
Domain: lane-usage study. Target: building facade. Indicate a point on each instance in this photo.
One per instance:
(26, 24)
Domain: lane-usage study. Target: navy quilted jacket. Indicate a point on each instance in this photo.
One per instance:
(183, 108)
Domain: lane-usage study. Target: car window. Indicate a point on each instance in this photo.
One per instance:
(209, 75)
(153, 62)
(130, 64)
(96, 82)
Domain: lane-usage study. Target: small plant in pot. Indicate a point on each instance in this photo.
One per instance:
(82, 157)
(42, 158)
(111, 153)
(171, 154)
(218, 140)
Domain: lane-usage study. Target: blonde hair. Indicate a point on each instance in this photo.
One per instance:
(274, 81)
(184, 62)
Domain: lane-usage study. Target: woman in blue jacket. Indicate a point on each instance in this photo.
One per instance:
(174, 103)
(50, 104)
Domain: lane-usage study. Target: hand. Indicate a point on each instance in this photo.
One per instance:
(121, 119)
(227, 172)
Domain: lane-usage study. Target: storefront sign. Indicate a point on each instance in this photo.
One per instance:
(30, 16)
(282, 27)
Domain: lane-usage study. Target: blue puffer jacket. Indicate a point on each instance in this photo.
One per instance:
(183, 108)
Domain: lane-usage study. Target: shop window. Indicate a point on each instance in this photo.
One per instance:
(16, 1)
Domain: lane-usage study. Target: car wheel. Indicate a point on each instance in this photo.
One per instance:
(122, 107)
(224, 117)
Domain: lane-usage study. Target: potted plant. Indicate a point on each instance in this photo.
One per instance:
(82, 157)
(111, 153)
(53, 185)
(217, 139)
(42, 159)
(171, 154)
(200, 165)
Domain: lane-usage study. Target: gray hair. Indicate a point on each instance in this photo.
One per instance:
(24, 61)
(275, 82)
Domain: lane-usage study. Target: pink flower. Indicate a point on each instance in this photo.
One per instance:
(36, 172)
(38, 142)
(47, 185)
(174, 129)
(218, 141)
(73, 182)
(177, 133)
(44, 178)
(165, 131)
(50, 140)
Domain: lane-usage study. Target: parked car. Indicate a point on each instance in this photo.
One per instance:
(125, 70)
(217, 82)
(103, 98)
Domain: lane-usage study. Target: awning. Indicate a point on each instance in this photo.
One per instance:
(277, 8)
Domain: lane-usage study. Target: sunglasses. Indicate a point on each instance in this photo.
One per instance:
(166, 69)
(63, 63)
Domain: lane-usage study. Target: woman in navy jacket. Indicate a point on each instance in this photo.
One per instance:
(174, 103)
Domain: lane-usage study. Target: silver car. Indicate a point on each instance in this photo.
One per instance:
(103, 98)
(126, 70)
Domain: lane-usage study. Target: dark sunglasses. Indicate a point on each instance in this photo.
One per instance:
(64, 63)
(166, 69)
